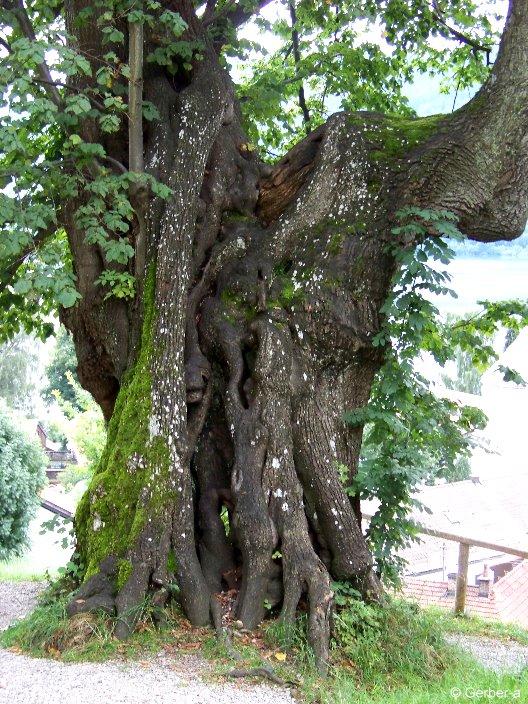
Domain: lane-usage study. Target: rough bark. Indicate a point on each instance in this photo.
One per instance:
(225, 382)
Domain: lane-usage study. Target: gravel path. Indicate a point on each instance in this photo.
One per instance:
(16, 599)
(497, 655)
(162, 679)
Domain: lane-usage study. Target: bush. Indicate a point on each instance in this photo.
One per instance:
(89, 433)
(56, 434)
(22, 475)
(75, 473)
(393, 641)
(86, 428)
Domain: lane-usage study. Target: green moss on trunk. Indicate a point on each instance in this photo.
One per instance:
(393, 136)
(111, 514)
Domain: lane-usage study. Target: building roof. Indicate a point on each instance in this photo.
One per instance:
(491, 508)
(428, 593)
(511, 595)
(508, 599)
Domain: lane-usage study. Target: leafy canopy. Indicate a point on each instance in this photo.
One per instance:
(355, 56)
(412, 435)
(18, 359)
(311, 58)
(63, 362)
(293, 67)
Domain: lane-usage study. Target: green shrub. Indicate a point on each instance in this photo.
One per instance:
(34, 632)
(56, 433)
(75, 473)
(393, 640)
(22, 475)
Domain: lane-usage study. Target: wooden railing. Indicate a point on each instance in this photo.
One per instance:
(465, 543)
(57, 510)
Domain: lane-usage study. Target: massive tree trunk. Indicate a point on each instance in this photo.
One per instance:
(225, 381)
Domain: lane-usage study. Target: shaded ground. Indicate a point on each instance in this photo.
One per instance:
(161, 679)
(164, 678)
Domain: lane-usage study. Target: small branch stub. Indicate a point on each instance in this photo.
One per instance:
(135, 136)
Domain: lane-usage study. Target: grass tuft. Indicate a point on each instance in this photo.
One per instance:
(48, 632)
(472, 625)
(390, 654)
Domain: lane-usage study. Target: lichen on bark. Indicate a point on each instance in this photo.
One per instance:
(259, 311)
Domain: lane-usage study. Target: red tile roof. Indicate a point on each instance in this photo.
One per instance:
(508, 600)
(511, 595)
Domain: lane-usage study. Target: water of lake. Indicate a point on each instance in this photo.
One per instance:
(484, 279)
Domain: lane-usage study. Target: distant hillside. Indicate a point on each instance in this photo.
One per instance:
(517, 249)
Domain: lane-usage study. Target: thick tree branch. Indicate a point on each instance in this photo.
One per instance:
(237, 14)
(475, 165)
(115, 162)
(209, 11)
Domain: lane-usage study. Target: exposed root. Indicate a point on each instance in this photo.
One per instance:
(98, 592)
(263, 671)
(224, 635)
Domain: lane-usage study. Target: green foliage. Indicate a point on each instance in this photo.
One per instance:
(391, 653)
(45, 161)
(352, 56)
(40, 626)
(22, 465)
(56, 434)
(88, 431)
(395, 639)
(89, 434)
(411, 435)
(48, 632)
(17, 362)
(474, 625)
(467, 677)
(83, 423)
(467, 377)
(394, 652)
(75, 473)
(63, 362)
(63, 529)
(473, 333)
